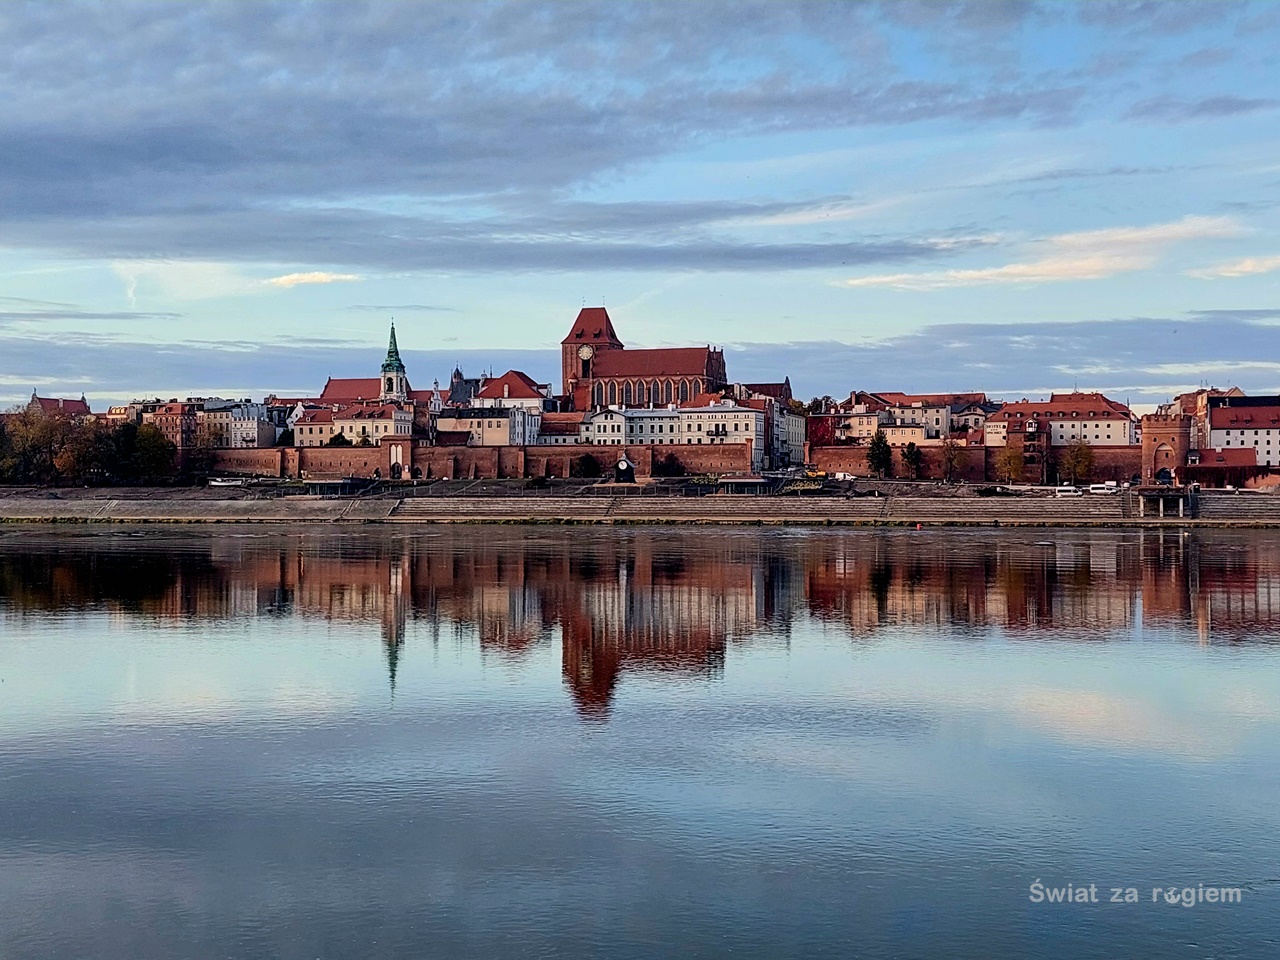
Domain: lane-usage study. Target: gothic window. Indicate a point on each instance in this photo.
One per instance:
(684, 390)
(666, 392)
(599, 395)
(613, 393)
(626, 392)
(654, 395)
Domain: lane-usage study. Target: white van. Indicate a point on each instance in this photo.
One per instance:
(1103, 488)
(1068, 492)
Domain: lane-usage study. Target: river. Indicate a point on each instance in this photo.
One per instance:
(499, 742)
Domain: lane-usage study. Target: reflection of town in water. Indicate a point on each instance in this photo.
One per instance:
(667, 602)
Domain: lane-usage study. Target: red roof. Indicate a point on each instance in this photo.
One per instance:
(1062, 406)
(55, 406)
(592, 326)
(512, 385)
(1229, 457)
(316, 416)
(426, 396)
(1259, 418)
(452, 438)
(661, 362)
(358, 388)
(379, 411)
(932, 399)
(561, 424)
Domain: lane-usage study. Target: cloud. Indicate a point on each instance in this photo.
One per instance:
(1144, 359)
(1085, 255)
(314, 276)
(1249, 266)
(1174, 108)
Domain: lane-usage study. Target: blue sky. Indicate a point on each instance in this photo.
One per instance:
(1017, 197)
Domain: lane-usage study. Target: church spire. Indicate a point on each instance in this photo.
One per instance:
(393, 363)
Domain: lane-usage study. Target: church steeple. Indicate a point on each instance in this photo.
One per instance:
(395, 382)
(393, 363)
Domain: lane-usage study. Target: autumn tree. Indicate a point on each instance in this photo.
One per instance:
(1076, 461)
(951, 455)
(913, 457)
(1010, 463)
(153, 453)
(880, 455)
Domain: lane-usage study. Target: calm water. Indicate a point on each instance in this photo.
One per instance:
(558, 742)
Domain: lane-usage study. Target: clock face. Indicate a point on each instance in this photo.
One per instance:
(585, 352)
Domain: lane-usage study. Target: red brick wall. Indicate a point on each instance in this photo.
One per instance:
(851, 459)
(258, 463)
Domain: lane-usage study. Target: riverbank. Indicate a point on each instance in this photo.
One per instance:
(166, 506)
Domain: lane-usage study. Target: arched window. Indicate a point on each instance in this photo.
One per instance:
(613, 393)
(666, 392)
(640, 393)
(697, 386)
(684, 390)
(626, 392)
(655, 394)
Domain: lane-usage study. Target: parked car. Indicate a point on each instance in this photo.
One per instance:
(1068, 492)
(1103, 488)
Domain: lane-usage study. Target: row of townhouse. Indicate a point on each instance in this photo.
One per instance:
(206, 421)
(717, 423)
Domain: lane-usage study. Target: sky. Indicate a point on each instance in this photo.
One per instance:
(237, 198)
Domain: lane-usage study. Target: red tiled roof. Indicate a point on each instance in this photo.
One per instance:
(1222, 418)
(933, 399)
(512, 385)
(426, 396)
(660, 362)
(316, 416)
(381, 411)
(592, 326)
(59, 407)
(1062, 406)
(1229, 457)
(561, 424)
(358, 388)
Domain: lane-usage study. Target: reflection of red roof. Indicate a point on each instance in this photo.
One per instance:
(512, 385)
(55, 406)
(1229, 457)
(357, 388)
(1259, 418)
(592, 326)
(661, 362)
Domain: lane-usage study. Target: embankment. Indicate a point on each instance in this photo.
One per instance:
(163, 507)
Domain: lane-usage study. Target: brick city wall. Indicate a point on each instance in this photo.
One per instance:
(853, 459)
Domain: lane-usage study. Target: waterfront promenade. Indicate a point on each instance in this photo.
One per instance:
(189, 506)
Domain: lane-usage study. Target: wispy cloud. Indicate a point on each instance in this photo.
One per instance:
(315, 276)
(1240, 268)
(400, 308)
(1084, 255)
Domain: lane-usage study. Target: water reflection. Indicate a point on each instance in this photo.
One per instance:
(657, 601)
(502, 742)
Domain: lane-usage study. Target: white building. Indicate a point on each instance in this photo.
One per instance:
(718, 423)
(1241, 427)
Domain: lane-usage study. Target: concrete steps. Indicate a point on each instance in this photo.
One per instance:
(1244, 507)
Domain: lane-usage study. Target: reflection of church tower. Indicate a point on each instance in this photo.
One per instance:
(394, 614)
(395, 383)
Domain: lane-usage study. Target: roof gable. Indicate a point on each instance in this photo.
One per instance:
(592, 326)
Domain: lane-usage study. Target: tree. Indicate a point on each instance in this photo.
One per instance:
(286, 438)
(200, 453)
(951, 455)
(820, 404)
(338, 440)
(913, 457)
(153, 452)
(365, 442)
(880, 455)
(585, 467)
(1076, 461)
(668, 466)
(1010, 463)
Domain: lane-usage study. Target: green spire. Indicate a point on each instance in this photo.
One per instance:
(393, 363)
